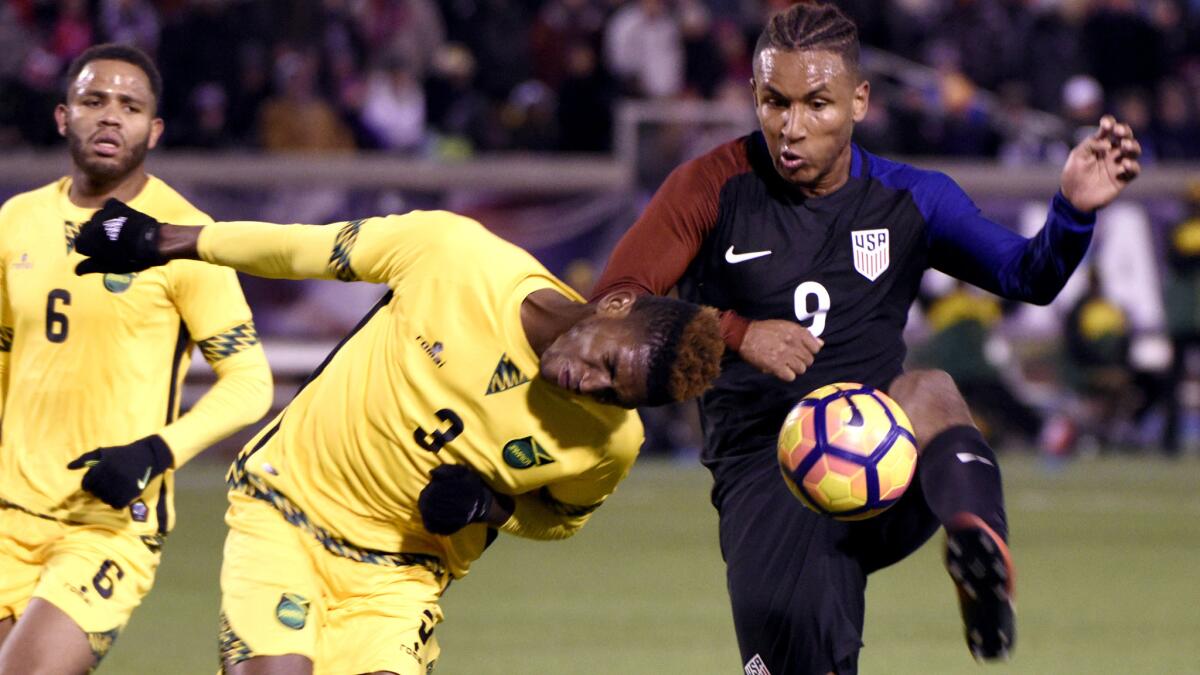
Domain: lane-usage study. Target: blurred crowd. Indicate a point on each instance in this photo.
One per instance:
(448, 78)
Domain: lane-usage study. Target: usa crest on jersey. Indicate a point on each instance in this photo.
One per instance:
(871, 256)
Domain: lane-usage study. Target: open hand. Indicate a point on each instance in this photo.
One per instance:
(1100, 167)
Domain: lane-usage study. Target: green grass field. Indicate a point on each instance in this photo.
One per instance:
(1107, 553)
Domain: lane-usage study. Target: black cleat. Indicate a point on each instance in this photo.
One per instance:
(978, 561)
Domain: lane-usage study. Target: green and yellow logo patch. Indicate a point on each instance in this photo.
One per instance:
(118, 283)
(523, 453)
(292, 610)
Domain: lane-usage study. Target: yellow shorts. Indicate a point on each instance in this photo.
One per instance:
(283, 592)
(96, 574)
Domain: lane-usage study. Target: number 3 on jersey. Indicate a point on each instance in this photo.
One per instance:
(433, 441)
(808, 294)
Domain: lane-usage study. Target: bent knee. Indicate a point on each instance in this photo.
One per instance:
(932, 402)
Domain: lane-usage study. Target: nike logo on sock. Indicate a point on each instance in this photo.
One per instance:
(735, 258)
(968, 457)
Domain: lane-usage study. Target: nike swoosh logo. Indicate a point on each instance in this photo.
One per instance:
(735, 258)
(968, 457)
(145, 480)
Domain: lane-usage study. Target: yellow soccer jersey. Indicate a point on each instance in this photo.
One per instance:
(99, 360)
(439, 372)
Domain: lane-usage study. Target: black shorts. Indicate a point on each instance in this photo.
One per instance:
(797, 580)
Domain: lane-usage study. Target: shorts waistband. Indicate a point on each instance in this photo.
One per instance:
(254, 486)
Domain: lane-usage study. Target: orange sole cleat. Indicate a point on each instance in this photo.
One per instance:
(978, 561)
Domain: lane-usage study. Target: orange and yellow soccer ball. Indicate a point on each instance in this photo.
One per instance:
(847, 451)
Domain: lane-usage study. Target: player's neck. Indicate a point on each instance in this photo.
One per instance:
(89, 192)
(547, 314)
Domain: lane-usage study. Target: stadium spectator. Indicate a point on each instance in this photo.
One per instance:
(297, 118)
(585, 103)
(406, 31)
(561, 28)
(1175, 130)
(133, 22)
(393, 107)
(962, 323)
(1095, 366)
(643, 48)
(498, 34)
(668, 50)
(460, 114)
(1183, 323)
(72, 31)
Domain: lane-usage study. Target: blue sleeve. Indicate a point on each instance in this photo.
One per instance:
(968, 246)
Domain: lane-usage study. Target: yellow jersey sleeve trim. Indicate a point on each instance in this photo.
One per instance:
(229, 342)
(343, 245)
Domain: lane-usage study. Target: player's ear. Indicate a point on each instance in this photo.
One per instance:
(862, 99)
(615, 304)
(156, 130)
(60, 119)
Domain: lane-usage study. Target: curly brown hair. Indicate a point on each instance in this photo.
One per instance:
(811, 25)
(685, 347)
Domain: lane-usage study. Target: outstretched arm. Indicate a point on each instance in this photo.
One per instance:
(967, 245)
(379, 250)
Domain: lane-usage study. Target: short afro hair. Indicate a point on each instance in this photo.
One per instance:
(110, 51)
(811, 25)
(685, 347)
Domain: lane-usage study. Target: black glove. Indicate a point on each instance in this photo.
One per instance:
(118, 239)
(117, 475)
(455, 497)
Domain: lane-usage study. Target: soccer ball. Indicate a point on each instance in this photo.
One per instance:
(847, 451)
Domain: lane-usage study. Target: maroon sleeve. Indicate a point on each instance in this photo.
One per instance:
(656, 251)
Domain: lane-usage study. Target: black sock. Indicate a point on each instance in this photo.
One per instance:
(959, 472)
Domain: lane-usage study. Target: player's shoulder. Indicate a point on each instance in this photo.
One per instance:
(26, 201)
(436, 223)
(719, 165)
(927, 186)
(453, 233)
(895, 174)
(166, 204)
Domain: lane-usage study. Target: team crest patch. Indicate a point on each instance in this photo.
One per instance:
(523, 453)
(755, 666)
(505, 377)
(292, 610)
(871, 255)
(138, 511)
(118, 283)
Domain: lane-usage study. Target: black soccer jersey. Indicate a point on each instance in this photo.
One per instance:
(732, 234)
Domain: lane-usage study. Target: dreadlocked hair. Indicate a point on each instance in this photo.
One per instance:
(685, 347)
(811, 25)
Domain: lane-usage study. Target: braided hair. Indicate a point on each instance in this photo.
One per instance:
(811, 25)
